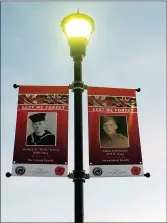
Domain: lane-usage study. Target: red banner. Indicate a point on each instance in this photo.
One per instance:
(114, 141)
(41, 139)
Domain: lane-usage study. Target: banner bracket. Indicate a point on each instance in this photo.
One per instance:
(78, 85)
(75, 178)
(8, 174)
(85, 86)
(70, 86)
(138, 89)
(147, 175)
(15, 85)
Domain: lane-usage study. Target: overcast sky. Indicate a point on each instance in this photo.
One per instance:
(126, 50)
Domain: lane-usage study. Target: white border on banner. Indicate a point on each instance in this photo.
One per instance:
(38, 170)
(114, 170)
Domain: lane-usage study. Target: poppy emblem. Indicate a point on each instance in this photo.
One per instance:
(59, 170)
(135, 170)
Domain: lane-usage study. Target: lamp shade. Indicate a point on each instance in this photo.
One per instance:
(78, 25)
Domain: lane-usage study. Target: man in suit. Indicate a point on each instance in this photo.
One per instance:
(111, 138)
(40, 136)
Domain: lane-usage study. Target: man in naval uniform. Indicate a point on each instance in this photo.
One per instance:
(40, 136)
(111, 138)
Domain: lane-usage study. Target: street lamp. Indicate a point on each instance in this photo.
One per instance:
(78, 27)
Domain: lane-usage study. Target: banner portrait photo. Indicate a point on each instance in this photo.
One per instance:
(36, 122)
(114, 140)
(109, 125)
(41, 137)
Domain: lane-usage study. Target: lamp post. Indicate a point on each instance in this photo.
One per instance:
(78, 28)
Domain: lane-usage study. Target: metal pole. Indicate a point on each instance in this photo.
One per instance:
(78, 172)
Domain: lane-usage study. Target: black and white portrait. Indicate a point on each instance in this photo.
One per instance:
(41, 128)
(113, 132)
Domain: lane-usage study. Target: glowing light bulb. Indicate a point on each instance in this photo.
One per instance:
(78, 28)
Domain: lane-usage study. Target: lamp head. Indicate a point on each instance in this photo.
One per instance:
(77, 27)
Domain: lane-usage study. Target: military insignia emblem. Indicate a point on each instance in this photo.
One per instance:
(97, 171)
(20, 170)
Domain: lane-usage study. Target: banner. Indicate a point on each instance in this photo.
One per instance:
(114, 141)
(41, 138)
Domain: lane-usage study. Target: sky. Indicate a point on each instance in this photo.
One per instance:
(126, 50)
